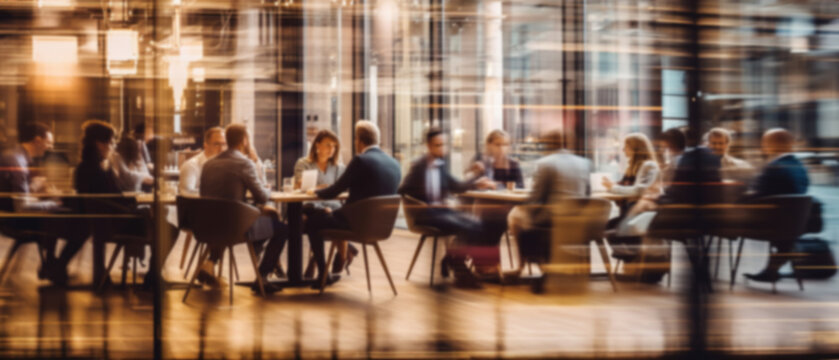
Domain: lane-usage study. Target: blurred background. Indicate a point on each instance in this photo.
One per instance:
(597, 69)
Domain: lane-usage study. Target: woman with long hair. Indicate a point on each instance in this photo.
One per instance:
(323, 157)
(642, 171)
(495, 163)
(131, 169)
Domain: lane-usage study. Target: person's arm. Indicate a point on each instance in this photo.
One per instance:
(254, 185)
(189, 175)
(128, 177)
(542, 181)
(343, 182)
(646, 177)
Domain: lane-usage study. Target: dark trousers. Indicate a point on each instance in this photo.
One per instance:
(265, 227)
(317, 221)
(468, 229)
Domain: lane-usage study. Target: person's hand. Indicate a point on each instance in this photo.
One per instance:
(321, 186)
(269, 210)
(607, 183)
(327, 210)
(477, 168)
(485, 183)
(38, 184)
(251, 153)
(310, 192)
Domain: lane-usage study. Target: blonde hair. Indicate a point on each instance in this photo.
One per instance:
(718, 131)
(641, 149)
(495, 134)
(367, 132)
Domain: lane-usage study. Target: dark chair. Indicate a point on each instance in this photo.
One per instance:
(20, 238)
(583, 221)
(220, 224)
(183, 225)
(412, 207)
(370, 221)
(126, 233)
(781, 218)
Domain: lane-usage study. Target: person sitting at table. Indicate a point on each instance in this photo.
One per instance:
(96, 175)
(784, 174)
(323, 158)
(16, 176)
(369, 174)
(429, 181)
(189, 181)
(642, 172)
(671, 145)
(559, 174)
(131, 169)
(230, 175)
(496, 163)
(719, 142)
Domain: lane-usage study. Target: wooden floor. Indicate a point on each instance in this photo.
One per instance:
(421, 322)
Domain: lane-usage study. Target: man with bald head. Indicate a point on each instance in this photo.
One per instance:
(784, 174)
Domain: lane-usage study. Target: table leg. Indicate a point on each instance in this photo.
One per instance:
(98, 257)
(295, 242)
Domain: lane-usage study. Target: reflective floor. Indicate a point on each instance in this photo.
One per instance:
(40, 321)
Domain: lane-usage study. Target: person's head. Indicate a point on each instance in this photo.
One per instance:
(553, 140)
(719, 141)
(214, 141)
(98, 141)
(129, 149)
(498, 143)
(638, 149)
(37, 137)
(366, 135)
(435, 140)
(325, 147)
(777, 141)
(673, 140)
(237, 137)
(142, 132)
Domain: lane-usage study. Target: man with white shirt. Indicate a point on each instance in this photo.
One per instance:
(719, 141)
(190, 179)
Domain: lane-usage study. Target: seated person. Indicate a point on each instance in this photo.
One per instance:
(230, 175)
(495, 163)
(371, 173)
(558, 175)
(190, 174)
(96, 175)
(784, 174)
(132, 172)
(642, 172)
(323, 157)
(429, 180)
(719, 142)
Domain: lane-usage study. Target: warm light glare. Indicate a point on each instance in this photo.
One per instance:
(55, 3)
(192, 51)
(55, 49)
(198, 74)
(122, 45)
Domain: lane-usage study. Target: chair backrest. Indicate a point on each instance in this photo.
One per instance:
(412, 206)
(184, 204)
(586, 216)
(220, 222)
(372, 219)
(784, 217)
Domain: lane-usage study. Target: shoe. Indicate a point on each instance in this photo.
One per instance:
(467, 280)
(205, 275)
(444, 267)
(279, 272)
(266, 284)
(330, 279)
(764, 276)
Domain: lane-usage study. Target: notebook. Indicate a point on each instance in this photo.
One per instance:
(597, 181)
(309, 181)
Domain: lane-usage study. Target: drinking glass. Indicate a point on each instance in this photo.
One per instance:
(288, 184)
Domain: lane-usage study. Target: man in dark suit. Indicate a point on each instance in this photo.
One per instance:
(230, 175)
(784, 174)
(371, 173)
(430, 181)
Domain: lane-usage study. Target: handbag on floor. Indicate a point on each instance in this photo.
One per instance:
(814, 259)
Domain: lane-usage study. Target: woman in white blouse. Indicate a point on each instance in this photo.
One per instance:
(641, 178)
(130, 167)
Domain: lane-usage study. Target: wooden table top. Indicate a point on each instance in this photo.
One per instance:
(521, 195)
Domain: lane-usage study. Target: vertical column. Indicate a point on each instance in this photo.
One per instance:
(493, 103)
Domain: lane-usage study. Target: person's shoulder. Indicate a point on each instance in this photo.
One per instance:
(650, 164)
(302, 162)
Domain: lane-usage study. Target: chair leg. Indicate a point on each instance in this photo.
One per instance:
(509, 249)
(221, 264)
(367, 270)
(4, 272)
(134, 272)
(205, 253)
(187, 241)
(195, 251)
(416, 255)
(325, 274)
(670, 271)
(234, 265)
(256, 268)
(123, 277)
(110, 266)
(433, 260)
(601, 246)
(736, 262)
(800, 282)
(230, 267)
(384, 266)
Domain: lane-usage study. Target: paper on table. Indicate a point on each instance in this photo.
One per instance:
(597, 181)
(310, 180)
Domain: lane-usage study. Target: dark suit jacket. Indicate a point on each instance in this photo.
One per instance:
(90, 178)
(695, 170)
(414, 183)
(229, 176)
(785, 175)
(369, 174)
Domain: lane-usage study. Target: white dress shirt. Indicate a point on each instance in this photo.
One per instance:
(190, 177)
(432, 182)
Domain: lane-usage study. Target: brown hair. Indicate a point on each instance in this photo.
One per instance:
(642, 150)
(495, 134)
(209, 133)
(322, 135)
(235, 135)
